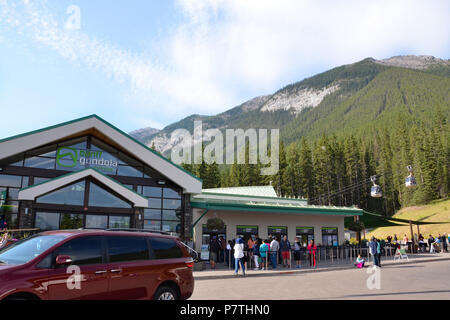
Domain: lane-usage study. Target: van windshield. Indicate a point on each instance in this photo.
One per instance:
(28, 249)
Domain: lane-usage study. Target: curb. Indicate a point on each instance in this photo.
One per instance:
(295, 272)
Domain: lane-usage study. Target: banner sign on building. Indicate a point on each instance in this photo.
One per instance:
(67, 157)
(329, 231)
(304, 230)
(205, 230)
(247, 230)
(280, 230)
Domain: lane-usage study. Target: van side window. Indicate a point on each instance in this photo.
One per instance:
(82, 251)
(127, 248)
(165, 248)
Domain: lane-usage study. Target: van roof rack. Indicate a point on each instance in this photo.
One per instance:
(137, 230)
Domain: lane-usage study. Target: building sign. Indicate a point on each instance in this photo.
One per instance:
(329, 231)
(304, 230)
(67, 157)
(205, 230)
(247, 230)
(280, 230)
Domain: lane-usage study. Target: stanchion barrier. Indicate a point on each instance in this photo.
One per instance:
(290, 259)
(267, 260)
(332, 254)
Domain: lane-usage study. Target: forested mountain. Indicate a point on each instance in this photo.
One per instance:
(342, 126)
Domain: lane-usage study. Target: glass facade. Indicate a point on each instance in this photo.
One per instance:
(164, 208)
(45, 163)
(11, 184)
(99, 197)
(330, 237)
(70, 195)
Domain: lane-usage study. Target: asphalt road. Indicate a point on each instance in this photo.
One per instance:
(429, 280)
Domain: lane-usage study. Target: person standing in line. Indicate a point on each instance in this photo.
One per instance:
(395, 238)
(378, 252)
(250, 244)
(214, 247)
(437, 242)
(297, 253)
(255, 252)
(431, 243)
(263, 252)
(312, 253)
(238, 256)
(444, 242)
(274, 247)
(389, 239)
(405, 239)
(373, 251)
(223, 246)
(285, 248)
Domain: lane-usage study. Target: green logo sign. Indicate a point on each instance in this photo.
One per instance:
(70, 155)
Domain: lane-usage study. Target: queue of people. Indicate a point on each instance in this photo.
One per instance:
(432, 244)
(262, 254)
(267, 253)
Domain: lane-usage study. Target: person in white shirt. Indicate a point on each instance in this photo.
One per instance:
(274, 247)
(238, 255)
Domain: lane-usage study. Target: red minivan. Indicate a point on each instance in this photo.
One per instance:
(96, 264)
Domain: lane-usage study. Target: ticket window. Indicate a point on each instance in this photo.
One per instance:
(330, 237)
(247, 232)
(208, 234)
(304, 235)
(206, 239)
(278, 232)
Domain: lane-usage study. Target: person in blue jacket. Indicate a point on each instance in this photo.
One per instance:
(373, 246)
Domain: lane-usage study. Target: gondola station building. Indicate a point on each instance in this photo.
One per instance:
(87, 173)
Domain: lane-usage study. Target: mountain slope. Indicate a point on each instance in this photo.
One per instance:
(395, 92)
(347, 99)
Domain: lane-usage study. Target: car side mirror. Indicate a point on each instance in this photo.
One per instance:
(63, 260)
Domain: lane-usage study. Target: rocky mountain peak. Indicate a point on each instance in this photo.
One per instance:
(413, 62)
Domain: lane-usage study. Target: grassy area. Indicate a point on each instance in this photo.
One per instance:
(438, 211)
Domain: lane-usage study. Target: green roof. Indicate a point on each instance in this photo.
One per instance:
(110, 125)
(276, 208)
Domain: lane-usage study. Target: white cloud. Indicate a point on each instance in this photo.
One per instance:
(226, 49)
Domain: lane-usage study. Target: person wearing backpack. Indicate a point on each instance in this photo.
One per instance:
(285, 248)
(431, 243)
(214, 247)
(255, 252)
(238, 256)
(297, 252)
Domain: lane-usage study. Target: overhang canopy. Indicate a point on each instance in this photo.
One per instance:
(31, 193)
(24, 142)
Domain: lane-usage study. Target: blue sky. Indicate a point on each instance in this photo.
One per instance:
(150, 63)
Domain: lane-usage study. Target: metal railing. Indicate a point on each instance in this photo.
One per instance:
(325, 256)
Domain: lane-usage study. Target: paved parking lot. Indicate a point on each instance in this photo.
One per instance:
(428, 280)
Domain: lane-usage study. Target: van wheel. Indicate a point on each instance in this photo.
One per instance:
(166, 293)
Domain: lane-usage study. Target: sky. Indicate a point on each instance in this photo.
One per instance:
(149, 63)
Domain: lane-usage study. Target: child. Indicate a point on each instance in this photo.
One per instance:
(359, 262)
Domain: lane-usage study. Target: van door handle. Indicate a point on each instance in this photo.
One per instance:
(116, 270)
(100, 272)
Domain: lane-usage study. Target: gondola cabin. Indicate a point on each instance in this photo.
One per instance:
(410, 182)
(376, 192)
